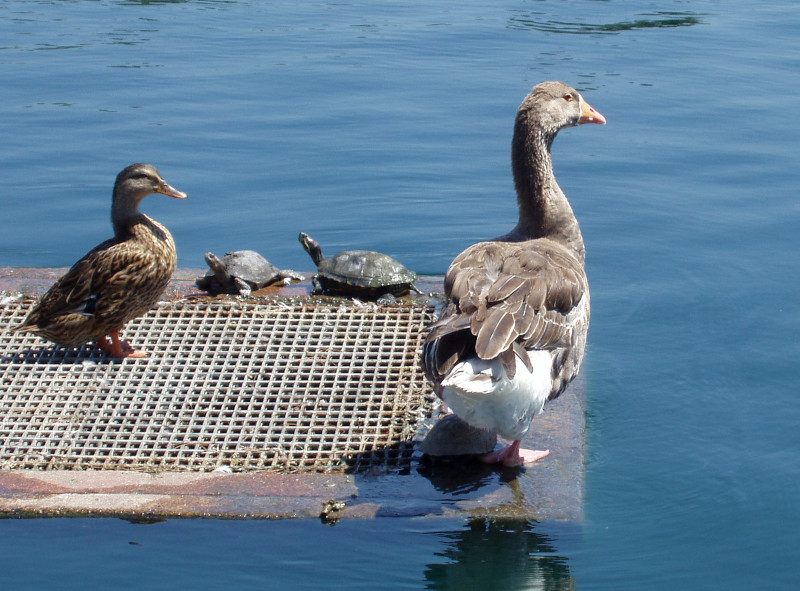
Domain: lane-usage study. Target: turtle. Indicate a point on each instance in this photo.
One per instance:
(241, 272)
(363, 273)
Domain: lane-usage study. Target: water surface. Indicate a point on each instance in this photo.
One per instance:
(387, 126)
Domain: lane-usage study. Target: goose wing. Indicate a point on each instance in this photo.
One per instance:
(506, 297)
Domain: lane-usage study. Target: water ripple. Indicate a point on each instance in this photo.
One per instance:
(529, 21)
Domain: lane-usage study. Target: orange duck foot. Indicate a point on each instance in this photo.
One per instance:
(119, 349)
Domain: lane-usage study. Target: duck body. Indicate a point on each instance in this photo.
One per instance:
(118, 280)
(513, 332)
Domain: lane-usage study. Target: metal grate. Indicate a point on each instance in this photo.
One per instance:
(279, 385)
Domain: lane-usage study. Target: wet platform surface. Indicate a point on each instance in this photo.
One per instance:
(205, 428)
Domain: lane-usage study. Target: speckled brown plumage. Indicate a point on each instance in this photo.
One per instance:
(522, 297)
(118, 280)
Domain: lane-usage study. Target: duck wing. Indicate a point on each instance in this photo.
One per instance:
(94, 286)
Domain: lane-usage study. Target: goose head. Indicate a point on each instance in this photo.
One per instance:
(552, 106)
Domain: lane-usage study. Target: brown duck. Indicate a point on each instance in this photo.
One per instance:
(513, 332)
(118, 280)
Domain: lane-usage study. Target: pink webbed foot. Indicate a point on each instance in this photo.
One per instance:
(513, 455)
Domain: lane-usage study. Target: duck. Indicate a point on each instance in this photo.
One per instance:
(118, 280)
(512, 332)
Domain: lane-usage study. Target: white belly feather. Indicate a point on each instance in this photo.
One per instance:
(481, 394)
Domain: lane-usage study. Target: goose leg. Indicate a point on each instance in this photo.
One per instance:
(513, 455)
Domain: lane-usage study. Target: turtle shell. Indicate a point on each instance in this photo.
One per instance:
(246, 265)
(364, 272)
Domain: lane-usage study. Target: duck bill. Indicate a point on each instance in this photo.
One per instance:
(589, 115)
(166, 189)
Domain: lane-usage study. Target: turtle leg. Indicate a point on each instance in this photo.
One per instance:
(386, 299)
(287, 276)
(241, 286)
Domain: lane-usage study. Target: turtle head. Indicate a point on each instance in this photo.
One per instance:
(312, 248)
(216, 265)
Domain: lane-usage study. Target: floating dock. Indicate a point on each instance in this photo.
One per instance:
(277, 405)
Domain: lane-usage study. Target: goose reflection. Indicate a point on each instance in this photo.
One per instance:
(500, 554)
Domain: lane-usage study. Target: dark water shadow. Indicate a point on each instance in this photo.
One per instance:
(535, 22)
(404, 484)
(459, 476)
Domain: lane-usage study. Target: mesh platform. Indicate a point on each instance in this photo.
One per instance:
(279, 385)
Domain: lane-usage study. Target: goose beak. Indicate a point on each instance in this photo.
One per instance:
(589, 115)
(165, 189)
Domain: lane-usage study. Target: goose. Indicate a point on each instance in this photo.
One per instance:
(512, 332)
(118, 280)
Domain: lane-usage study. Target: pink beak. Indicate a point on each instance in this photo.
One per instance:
(589, 115)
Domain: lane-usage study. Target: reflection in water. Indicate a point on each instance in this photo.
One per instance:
(463, 478)
(529, 20)
(459, 476)
(508, 553)
(499, 554)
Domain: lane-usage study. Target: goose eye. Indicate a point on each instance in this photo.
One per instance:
(569, 98)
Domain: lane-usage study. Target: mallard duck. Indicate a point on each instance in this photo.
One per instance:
(118, 280)
(512, 333)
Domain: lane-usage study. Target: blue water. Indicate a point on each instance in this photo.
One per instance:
(387, 125)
